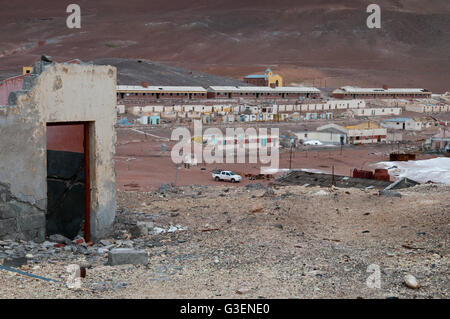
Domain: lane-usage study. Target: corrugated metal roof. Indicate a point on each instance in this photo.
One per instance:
(364, 126)
(263, 89)
(139, 88)
(255, 76)
(353, 89)
(397, 119)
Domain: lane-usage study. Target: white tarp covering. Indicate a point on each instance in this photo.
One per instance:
(436, 170)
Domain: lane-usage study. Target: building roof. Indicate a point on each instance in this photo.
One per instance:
(163, 89)
(263, 89)
(331, 127)
(255, 76)
(397, 119)
(364, 126)
(358, 90)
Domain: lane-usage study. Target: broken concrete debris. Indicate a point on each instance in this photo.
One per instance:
(60, 239)
(123, 256)
(388, 193)
(141, 228)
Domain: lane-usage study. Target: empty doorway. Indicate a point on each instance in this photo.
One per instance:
(68, 179)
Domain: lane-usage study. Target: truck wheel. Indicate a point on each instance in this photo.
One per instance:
(217, 179)
(233, 181)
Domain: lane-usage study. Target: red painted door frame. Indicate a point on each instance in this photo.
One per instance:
(87, 174)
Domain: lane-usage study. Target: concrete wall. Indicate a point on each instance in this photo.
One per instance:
(325, 137)
(368, 136)
(62, 93)
(377, 111)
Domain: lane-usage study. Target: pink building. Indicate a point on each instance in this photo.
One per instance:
(10, 85)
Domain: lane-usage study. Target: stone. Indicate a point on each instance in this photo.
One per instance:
(47, 244)
(242, 291)
(411, 282)
(105, 242)
(279, 226)
(255, 186)
(60, 239)
(14, 261)
(389, 193)
(256, 208)
(102, 251)
(124, 256)
(141, 229)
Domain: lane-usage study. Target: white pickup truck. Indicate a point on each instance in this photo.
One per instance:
(226, 176)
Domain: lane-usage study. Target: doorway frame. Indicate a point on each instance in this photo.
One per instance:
(87, 172)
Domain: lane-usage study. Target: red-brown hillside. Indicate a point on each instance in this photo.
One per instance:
(311, 40)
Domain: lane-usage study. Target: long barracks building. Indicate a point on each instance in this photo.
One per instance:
(141, 94)
(350, 92)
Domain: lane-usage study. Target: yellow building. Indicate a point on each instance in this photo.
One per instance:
(366, 133)
(27, 69)
(273, 80)
(266, 79)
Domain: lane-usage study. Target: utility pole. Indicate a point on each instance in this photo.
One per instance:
(176, 175)
(333, 180)
(290, 157)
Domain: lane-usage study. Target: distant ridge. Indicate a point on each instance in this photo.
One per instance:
(136, 71)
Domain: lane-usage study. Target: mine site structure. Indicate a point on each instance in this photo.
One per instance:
(57, 170)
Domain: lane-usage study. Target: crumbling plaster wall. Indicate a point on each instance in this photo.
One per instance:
(61, 93)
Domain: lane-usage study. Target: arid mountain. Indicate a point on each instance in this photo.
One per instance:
(325, 43)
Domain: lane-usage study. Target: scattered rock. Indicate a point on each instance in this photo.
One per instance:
(166, 187)
(411, 282)
(120, 285)
(389, 193)
(124, 256)
(141, 229)
(255, 186)
(269, 193)
(256, 208)
(279, 226)
(47, 244)
(60, 239)
(242, 291)
(106, 242)
(14, 261)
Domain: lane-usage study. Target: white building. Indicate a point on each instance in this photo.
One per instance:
(377, 111)
(402, 124)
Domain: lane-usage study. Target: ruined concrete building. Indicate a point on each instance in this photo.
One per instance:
(57, 143)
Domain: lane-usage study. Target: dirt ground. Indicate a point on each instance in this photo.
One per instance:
(252, 241)
(141, 165)
(297, 242)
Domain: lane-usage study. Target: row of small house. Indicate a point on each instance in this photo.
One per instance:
(262, 112)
